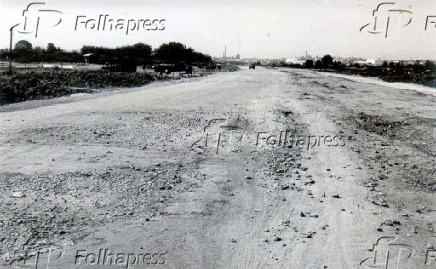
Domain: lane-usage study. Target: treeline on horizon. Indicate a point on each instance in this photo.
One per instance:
(141, 53)
(422, 72)
(327, 61)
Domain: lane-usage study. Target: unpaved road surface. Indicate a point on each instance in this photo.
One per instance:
(262, 168)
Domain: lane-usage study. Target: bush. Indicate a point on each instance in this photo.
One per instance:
(7, 93)
(32, 85)
(309, 64)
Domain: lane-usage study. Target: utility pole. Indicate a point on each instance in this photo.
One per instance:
(10, 49)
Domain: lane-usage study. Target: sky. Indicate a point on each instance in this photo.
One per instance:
(259, 29)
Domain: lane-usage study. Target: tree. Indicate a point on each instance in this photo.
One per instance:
(385, 64)
(172, 51)
(327, 60)
(318, 64)
(429, 64)
(51, 47)
(309, 64)
(23, 45)
(4, 53)
(140, 52)
(337, 64)
(177, 52)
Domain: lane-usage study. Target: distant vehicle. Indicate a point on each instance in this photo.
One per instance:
(171, 68)
(252, 66)
(122, 65)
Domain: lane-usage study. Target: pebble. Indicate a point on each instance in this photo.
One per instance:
(17, 194)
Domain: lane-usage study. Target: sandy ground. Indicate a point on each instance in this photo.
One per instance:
(260, 168)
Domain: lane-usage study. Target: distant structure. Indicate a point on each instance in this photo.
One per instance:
(301, 60)
(225, 51)
(87, 56)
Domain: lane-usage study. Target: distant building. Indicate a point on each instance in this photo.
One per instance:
(371, 61)
(87, 56)
(294, 61)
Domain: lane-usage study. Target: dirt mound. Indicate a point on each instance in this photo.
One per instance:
(378, 125)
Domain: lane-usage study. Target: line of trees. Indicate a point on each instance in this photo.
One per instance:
(418, 72)
(327, 62)
(24, 52)
(142, 53)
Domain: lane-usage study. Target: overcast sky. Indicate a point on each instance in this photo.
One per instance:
(255, 28)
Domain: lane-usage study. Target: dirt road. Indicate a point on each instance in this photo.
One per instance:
(260, 168)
